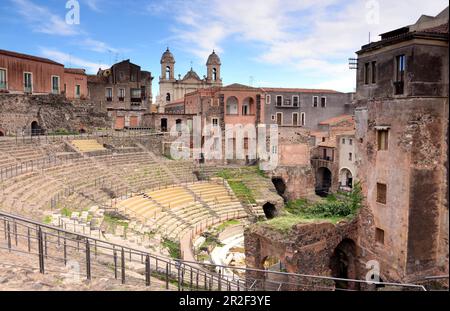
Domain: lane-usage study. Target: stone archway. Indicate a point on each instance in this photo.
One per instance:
(2, 133)
(346, 178)
(232, 105)
(35, 129)
(270, 210)
(343, 264)
(323, 181)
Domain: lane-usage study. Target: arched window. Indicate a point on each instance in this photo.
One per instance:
(245, 109)
(214, 74)
(247, 106)
(168, 97)
(168, 72)
(232, 105)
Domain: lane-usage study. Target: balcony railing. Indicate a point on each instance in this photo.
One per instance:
(28, 89)
(109, 99)
(136, 99)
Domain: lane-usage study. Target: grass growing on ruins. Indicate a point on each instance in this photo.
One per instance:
(115, 220)
(336, 207)
(173, 248)
(234, 179)
(227, 223)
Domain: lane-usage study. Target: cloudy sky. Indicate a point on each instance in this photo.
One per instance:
(282, 43)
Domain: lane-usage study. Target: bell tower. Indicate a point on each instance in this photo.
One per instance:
(167, 66)
(213, 69)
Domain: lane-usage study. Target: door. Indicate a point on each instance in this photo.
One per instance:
(120, 123)
(295, 119)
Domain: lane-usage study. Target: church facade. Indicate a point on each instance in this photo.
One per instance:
(172, 89)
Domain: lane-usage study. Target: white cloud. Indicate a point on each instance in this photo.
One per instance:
(93, 5)
(44, 21)
(71, 61)
(312, 37)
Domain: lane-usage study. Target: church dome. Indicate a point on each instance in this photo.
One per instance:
(213, 59)
(167, 57)
(191, 74)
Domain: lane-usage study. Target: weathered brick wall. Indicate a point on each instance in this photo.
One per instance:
(307, 248)
(52, 112)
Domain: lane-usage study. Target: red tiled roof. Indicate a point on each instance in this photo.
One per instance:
(75, 71)
(29, 57)
(298, 90)
(337, 119)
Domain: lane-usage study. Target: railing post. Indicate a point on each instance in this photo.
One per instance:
(9, 236)
(88, 260)
(147, 270)
(29, 240)
(41, 251)
(123, 265)
(167, 275)
(115, 263)
(65, 251)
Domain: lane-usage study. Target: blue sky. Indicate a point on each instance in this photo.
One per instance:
(273, 43)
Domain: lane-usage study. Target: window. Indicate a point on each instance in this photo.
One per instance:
(400, 64)
(109, 93)
(28, 82)
(366, 73)
(167, 72)
(77, 91)
(268, 99)
(315, 101)
(136, 95)
(3, 81)
(379, 235)
(383, 137)
(303, 119)
(350, 156)
(323, 102)
(215, 121)
(350, 141)
(374, 72)
(381, 193)
(168, 97)
(121, 95)
(279, 100)
(245, 110)
(273, 117)
(214, 73)
(279, 118)
(55, 84)
(295, 119)
(323, 139)
(295, 101)
(343, 141)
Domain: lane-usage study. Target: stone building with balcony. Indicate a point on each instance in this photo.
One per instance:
(304, 107)
(402, 141)
(124, 91)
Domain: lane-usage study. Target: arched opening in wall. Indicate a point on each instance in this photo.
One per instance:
(35, 129)
(346, 179)
(2, 133)
(168, 97)
(269, 210)
(163, 125)
(247, 106)
(323, 181)
(82, 131)
(343, 264)
(280, 186)
(232, 105)
(214, 74)
(167, 72)
(178, 125)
